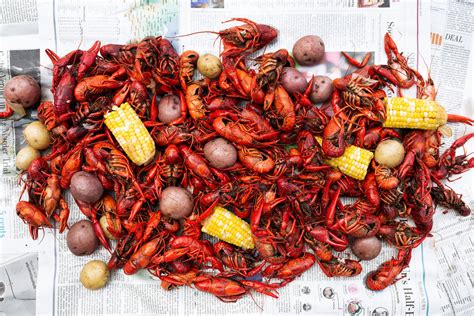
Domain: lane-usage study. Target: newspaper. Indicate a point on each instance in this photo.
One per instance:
(439, 279)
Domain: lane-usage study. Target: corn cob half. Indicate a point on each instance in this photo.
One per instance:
(228, 227)
(404, 112)
(130, 133)
(354, 162)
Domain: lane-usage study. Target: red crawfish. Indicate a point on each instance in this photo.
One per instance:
(51, 195)
(187, 66)
(199, 250)
(228, 290)
(448, 198)
(333, 143)
(141, 258)
(92, 86)
(64, 93)
(255, 160)
(401, 235)
(236, 259)
(338, 267)
(284, 109)
(387, 273)
(245, 38)
(195, 103)
(292, 268)
(32, 214)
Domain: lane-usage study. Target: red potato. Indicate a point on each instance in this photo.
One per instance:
(86, 187)
(220, 153)
(22, 92)
(169, 108)
(322, 89)
(176, 202)
(366, 248)
(309, 50)
(81, 239)
(293, 80)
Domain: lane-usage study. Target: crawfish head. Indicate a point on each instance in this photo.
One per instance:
(246, 37)
(31, 214)
(38, 170)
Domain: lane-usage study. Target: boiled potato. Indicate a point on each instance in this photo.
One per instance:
(169, 108)
(22, 92)
(86, 187)
(81, 239)
(366, 248)
(309, 50)
(94, 275)
(321, 90)
(104, 224)
(220, 153)
(25, 156)
(293, 80)
(209, 66)
(176, 202)
(37, 135)
(389, 153)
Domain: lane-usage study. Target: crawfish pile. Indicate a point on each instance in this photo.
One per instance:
(280, 183)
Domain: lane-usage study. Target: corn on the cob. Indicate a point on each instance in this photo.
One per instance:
(229, 228)
(414, 113)
(130, 133)
(354, 162)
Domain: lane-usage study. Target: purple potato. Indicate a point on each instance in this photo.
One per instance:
(366, 248)
(220, 153)
(169, 108)
(322, 89)
(293, 80)
(309, 50)
(176, 202)
(22, 90)
(81, 239)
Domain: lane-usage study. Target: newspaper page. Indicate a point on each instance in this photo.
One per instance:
(439, 279)
(452, 43)
(19, 265)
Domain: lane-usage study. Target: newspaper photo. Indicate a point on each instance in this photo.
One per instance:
(42, 277)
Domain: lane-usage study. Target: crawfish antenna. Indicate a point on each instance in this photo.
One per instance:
(253, 299)
(193, 33)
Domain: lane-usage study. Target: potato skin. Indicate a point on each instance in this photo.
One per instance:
(309, 50)
(293, 80)
(81, 239)
(23, 90)
(94, 275)
(25, 156)
(176, 202)
(366, 248)
(86, 187)
(389, 153)
(220, 153)
(209, 66)
(321, 90)
(37, 135)
(169, 108)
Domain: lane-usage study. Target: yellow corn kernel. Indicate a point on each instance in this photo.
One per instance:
(228, 227)
(130, 133)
